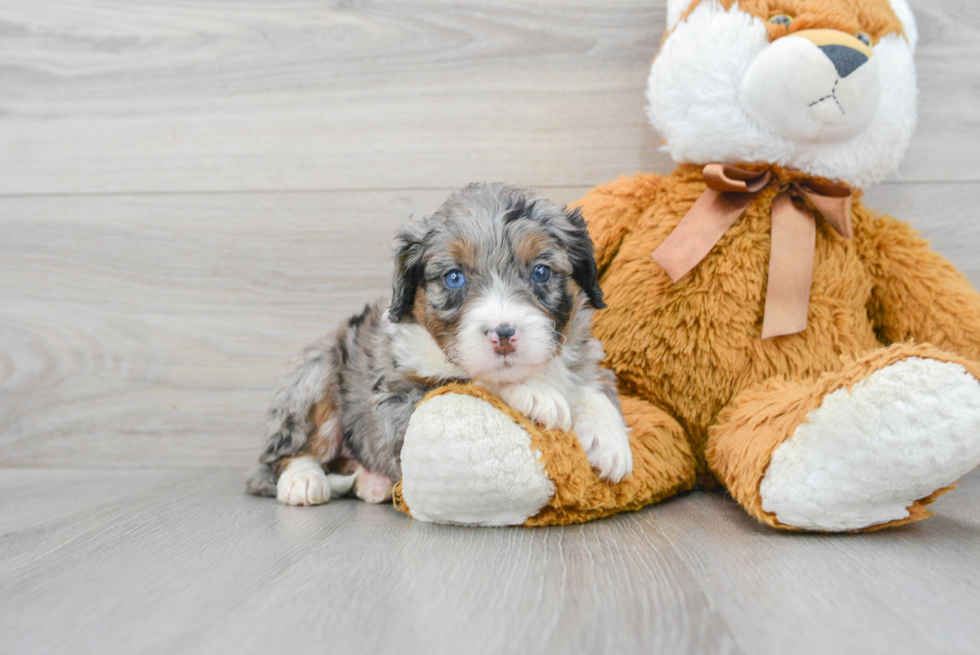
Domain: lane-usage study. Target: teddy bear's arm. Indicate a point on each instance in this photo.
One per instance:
(610, 210)
(918, 294)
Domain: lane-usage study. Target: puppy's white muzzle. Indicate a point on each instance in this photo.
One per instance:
(813, 86)
(480, 350)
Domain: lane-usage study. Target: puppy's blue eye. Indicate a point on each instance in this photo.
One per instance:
(455, 279)
(864, 38)
(540, 274)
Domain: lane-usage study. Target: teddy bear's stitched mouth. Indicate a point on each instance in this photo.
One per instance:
(830, 96)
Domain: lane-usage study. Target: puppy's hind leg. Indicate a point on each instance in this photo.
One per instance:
(290, 423)
(302, 432)
(302, 479)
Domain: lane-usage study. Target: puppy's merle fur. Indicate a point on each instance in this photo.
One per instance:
(497, 287)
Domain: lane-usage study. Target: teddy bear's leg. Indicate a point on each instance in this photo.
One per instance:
(466, 462)
(663, 465)
(470, 459)
(866, 447)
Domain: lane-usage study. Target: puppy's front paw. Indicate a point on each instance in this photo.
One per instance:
(607, 446)
(540, 402)
(303, 482)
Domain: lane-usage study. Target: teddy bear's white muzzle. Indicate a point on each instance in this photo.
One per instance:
(811, 91)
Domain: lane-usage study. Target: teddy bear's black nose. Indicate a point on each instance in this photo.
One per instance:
(846, 60)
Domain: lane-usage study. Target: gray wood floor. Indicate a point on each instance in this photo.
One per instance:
(190, 190)
(154, 561)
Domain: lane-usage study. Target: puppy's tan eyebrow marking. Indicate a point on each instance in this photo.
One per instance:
(462, 250)
(530, 246)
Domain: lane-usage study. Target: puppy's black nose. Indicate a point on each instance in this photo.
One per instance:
(505, 332)
(845, 60)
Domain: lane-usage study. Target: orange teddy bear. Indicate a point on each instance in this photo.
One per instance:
(769, 331)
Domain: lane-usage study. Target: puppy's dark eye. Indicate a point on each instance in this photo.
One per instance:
(454, 279)
(540, 274)
(864, 38)
(781, 19)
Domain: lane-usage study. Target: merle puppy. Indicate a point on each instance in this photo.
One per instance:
(496, 287)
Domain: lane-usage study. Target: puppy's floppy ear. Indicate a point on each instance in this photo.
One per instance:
(580, 252)
(409, 269)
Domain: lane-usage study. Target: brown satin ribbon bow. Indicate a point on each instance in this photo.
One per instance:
(794, 231)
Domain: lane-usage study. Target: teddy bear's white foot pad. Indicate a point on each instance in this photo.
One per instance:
(465, 462)
(864, 456)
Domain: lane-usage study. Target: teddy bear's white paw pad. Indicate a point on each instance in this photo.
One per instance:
(466, 462)
(865, 455)
(303, 482)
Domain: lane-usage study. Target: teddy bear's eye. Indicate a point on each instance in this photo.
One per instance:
(781, 19)
(864, 38)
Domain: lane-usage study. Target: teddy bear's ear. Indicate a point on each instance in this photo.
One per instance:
(580, 252)
(904, 13)
(675, 8)
(409, 269)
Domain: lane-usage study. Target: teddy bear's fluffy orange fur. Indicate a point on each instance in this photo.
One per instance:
(694, 349)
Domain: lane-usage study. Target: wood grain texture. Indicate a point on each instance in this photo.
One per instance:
(151, 330)
(30, 499)
(225, 95)
(914, 590)
(229, 95)
(182, 561)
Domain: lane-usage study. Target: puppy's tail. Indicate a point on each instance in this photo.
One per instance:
(261, 481)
